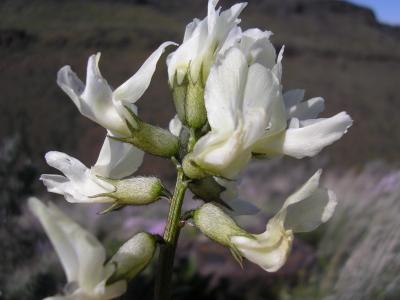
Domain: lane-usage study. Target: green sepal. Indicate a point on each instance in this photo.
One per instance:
(149, 138)
(208, 190)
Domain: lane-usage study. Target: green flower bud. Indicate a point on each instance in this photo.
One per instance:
(135, 191)
(138, 190)
(151, 139)
(217, 225)
(133, 256)
(189, 101)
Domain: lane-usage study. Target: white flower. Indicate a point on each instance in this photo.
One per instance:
(201, 43)
(81, 255)
(238, 99)
(303, 211)
(99, 103)
(79, 185)
(249, 115)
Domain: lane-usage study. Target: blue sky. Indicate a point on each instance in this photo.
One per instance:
(387, 11)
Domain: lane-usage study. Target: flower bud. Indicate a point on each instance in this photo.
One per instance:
(189, 101)
(133, 256)
(217, 225)
(151, 139)
(138, 190)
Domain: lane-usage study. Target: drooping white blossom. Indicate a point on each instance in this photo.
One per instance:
(303, 211)
(201, 43)
(81, 255)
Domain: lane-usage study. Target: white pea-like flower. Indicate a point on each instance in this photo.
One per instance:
(81, 255)
(97, 101)
(303, 211)
(201, 43)
(79, 184)
(238, 99)
(249, 115)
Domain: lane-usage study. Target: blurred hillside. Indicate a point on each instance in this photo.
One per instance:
(333, 49)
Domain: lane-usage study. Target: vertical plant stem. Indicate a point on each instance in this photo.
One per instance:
(171, 235)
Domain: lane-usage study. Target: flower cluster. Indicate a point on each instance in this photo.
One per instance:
(230, 107)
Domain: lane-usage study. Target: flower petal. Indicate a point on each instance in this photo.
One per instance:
(80, 253)
(261, 92)
(309, 207)
(309, 109)
(94, 100)
(69, 82)
(293, 97)
(131, 90)
(117, 160)
(78, 184)
(62, 242)
(175, 126)
(256, 44)
(310, 140)
(269, 250)
(224, 90)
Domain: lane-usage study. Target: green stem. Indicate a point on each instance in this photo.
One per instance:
(171, 235)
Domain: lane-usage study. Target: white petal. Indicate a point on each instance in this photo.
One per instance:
(58, 298)
(293, 97)
(309, 109)
(309, 207)
(221, 154)
(94, 100)
(98, 100)
(69, 82)
(175, 126)
(114, 290)
(55, 183)
(233, 38)
(69, 166)
(78, 183)
(117, 160)
(310, 140)
(269, 250)
(261, 91)
(179, 60)
(48, 216)
(190, 29)
(277, 69)
(258, 48)
(131, 90)
(91, 257)
(224, 90)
